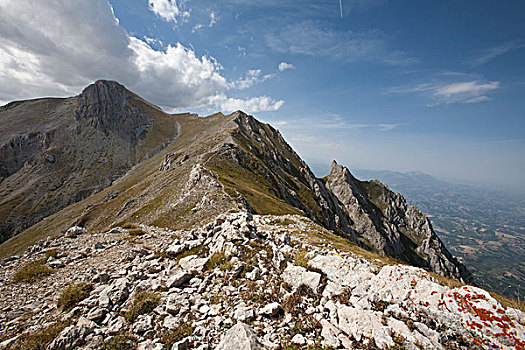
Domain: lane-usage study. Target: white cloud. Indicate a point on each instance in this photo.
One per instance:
(168, 10)
(213, 19)
(465, 92)
(460, 92)
(250, 105)
(499, 50)
(284, 66)
(182, 79)
(252, 77)
(196, 27)
(78, 42)
(314, 38)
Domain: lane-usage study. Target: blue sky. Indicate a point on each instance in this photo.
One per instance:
(436, 86)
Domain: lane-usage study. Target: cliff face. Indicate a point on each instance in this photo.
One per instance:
(55, 152)
(386, 223)
(217, 163)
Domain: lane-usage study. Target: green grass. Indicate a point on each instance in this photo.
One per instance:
(32, 271)
(143, 303)
(73, 294)
(200, 251)
(253, 186)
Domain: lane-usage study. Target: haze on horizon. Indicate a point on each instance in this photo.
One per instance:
(436, 87)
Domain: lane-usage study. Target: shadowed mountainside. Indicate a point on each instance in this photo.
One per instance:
(55, 152)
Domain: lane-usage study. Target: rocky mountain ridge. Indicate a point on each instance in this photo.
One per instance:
(231, 161)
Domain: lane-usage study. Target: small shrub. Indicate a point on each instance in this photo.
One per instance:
(73, 294)
(136, 232)
(32, 271)
(170, 337)
(226, 266)
(300, 258)
(200, 251)
(120, 342)
(380, 305)
(53, 253)
(216, 259)
(39, 339)
(246, 269)
(143, 303)
(128, 225)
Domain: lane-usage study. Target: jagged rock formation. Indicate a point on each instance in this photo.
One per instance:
(55, 152)
(215, 164)
(241, 282)
(386, 223)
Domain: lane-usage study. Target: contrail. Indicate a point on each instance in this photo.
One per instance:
(341, 8)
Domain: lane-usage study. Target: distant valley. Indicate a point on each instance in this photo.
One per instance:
(483, 227)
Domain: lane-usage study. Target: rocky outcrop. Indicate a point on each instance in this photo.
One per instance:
(366, 212)
(386, 223)
(109, 107)
(55, 152)
(336, 297)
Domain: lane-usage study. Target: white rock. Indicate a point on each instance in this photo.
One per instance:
(329, 334)
(240, 337)
(364, 323)
(298, 339)
(270, 310)
(297, 276)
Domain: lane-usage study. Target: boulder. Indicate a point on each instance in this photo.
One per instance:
(297, 276)
(240, 337)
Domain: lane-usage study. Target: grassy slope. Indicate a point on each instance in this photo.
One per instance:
(97, 212)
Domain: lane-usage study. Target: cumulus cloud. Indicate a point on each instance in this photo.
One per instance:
(250, 105)
(252, 77)
(284, 66)
(78, 42)
(168, 10)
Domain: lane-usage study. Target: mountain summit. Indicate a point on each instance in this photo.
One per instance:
(133, 228)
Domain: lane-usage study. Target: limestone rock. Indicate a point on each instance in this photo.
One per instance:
(240, 337)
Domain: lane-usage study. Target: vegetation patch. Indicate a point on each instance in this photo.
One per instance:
(39, 339)
(200, 251)
(143, 303)
(73, 294)
(217, 259)
(136, 232)
(128, 225)
(120, 342)
(168, 338)
(32, 271)
(52, 253)
(300, 258)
